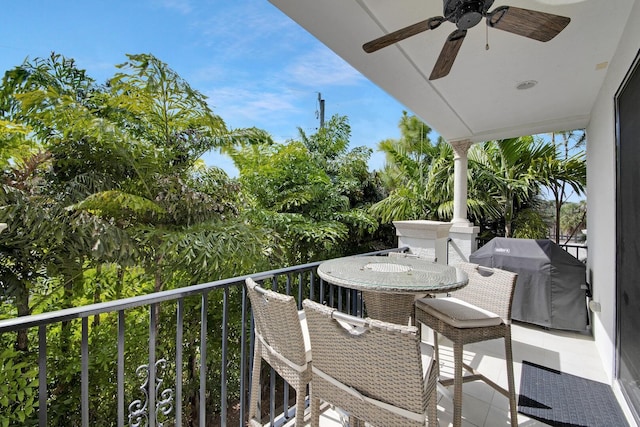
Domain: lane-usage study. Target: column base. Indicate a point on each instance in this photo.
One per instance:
(463, 241)
(461, 222)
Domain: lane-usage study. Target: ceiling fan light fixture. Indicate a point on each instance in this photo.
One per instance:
(527, 84)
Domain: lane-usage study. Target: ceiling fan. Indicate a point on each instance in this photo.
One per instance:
(466, 14)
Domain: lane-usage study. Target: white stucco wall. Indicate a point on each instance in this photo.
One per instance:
(601, 184)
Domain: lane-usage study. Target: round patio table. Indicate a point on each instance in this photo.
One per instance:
(390, 285)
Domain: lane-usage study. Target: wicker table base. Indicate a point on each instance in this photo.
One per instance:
(392, 308)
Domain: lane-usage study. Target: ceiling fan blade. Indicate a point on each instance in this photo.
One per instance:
(402, 33)
(533, 24)
(448, 54)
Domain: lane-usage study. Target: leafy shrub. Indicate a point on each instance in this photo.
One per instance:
(18, 388)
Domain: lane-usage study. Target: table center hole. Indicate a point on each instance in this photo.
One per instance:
(387, 267)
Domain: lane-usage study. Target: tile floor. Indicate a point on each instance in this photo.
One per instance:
(569, 352)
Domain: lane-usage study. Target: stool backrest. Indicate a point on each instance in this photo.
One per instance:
(371, 369)
(488, 288)
(277, 322)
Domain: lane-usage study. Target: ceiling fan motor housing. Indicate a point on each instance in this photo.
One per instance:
(466, 13)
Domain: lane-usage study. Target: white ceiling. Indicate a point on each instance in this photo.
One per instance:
(478, 100)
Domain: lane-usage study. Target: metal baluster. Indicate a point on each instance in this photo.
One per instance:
(84, 373)
(243, 356)
(272, 395)
(252, 343)
(272, 373)
(311, 284)
(300, 288)
(120, 368)
(285, 403)
(224, 367)
(149, 406)
(331, 295)
(179, 339)
(203, 360)
(152, 364)
(42, 375)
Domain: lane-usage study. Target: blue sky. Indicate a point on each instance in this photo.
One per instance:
(257, 67)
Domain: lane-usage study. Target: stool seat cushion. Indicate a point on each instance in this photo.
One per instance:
(458, 313)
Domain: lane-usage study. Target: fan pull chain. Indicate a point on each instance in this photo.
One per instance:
(486, 47)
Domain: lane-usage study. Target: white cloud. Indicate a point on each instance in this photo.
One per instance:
(240, 105)
(270, 70)
(244, 28)
(323, 68)
(211, 73)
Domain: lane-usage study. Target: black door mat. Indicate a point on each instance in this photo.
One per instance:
(560, 399)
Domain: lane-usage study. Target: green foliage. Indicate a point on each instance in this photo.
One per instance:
(418, 175)
(13, 141)
(505, 178)
(311, 192)
(285, 179)
(404, 203)
(105, 196)
(529, 225)
(18, 388)
(564, 174)
(162, 108)
(212, 251)
(120, 206)
(573, 218)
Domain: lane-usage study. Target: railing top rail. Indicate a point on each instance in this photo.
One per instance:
(17, 323)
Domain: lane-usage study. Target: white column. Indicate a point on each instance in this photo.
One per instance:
(460, 162)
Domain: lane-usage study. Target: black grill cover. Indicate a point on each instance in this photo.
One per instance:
(549, 290)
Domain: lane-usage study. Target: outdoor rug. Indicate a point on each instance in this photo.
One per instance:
(560, 399)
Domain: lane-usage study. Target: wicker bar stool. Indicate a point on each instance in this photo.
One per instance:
(282, 341)
(478, 312)
(377, 372)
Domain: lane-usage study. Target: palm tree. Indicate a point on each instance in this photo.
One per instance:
(504, 176)
(566, 170)
(502, 170)
(419, 175)
(407, 173)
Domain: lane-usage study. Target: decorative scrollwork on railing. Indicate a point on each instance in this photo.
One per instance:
(138, 409)
(138, 414)
(164, 398)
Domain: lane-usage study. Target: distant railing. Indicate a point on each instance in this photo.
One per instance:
(578, 250)
(159, 402)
